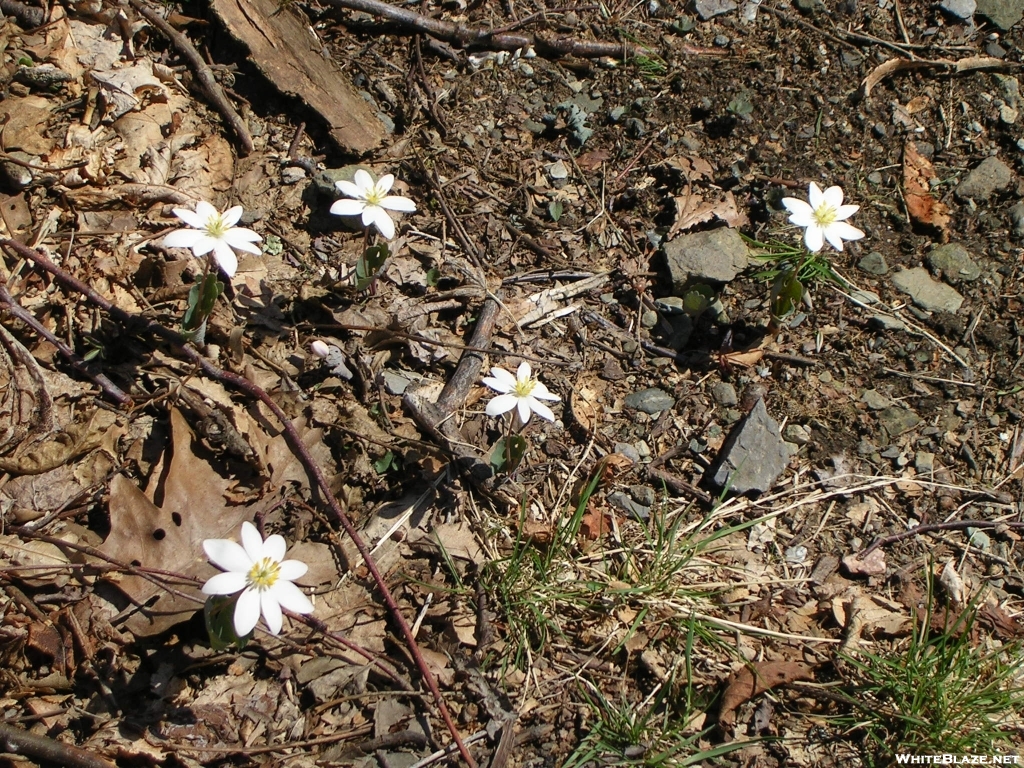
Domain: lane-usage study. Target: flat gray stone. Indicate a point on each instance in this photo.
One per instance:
(991, 175)
(707, 9)
(797, 434)
(715, 256)
(1003, 13)
(959, 9)
(926, 292)
(725, 394)
(650, 401)
(753, 456)
(1017, 219)
(874, 264)
(875, 400)
(896, 420)
(627, 505)
(886, 323)
(955, 263)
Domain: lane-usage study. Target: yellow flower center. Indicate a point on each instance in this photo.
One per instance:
(263, 575)
(374, 195)
(215, 226)
(524, 387)
(825, 214)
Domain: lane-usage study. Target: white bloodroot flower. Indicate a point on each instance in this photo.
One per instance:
(521, 391)
(372, 201)
(824, 218)
(258, 570)
(214, 231)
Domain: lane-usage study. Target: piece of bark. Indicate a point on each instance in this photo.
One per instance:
(281, 47)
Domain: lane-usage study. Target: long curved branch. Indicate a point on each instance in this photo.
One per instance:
(294, 442)
(477, 37)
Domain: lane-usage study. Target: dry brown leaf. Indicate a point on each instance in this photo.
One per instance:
(585, 403)
(692, 209)
(169, 536)
(754, 679)
(590, 161)
(77, 440)
(36, 563)
(922, 206)
(692, 168)
(16, 214)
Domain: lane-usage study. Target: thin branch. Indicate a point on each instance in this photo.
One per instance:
(19, 741)
(294, 441)
(496, 40)
(69, 354)
(204, 75)
(954, 525)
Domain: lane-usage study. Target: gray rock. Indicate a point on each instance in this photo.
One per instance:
(715, 256)
(955, 262)
(875, 400)
(1017, 219)
(753, 456)
(959, 9)
(628, 451)
(725, 394)
(991, 175)
(643, 494)
(796, 555)
(895, 420)
(874, 264)
(978, 538)
(797, 434)
(627, 505)
(926, 292)
(886, 323)
(707, 9)
(650, 401)
(924, 462)
(1003, 13)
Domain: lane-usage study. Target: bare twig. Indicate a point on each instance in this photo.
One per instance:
(18, 741)
(69, 354)
(294, 441)
(204, 75)
(476, 37)
(953, 525)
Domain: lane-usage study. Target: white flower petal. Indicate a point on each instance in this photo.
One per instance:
(182, 238)
(846, 211)
(384, 184)
(833, 197)
(815, 195)
(231, 216)
(396, 203)
(523, 404)
(242, 245)
(206, 212)
(191, 218)
(252, 542)
(838, 231)
(204, 244)
(320, 348)
(501, 404)
(225, 257)
(226, 583)
(292, 570)
(814, 238)
(271, 612)
(228, 555)
(541, 410)
(540, 391)
(274, 547)
(380, 219)
(348, 207)
(524, 371)
(796, 205)
(349, 189)
(247, 612)
(501, 380)
(291, 597)
(364, 182)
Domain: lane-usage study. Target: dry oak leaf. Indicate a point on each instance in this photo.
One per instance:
(922, 206)
(169, 536)
(754, 679)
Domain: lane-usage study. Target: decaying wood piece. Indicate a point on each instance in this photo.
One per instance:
(287, 52)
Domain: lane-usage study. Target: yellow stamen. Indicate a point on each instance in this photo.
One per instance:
(825, 214)
(264, 574)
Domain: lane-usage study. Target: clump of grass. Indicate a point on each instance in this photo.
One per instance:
(938, 695)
